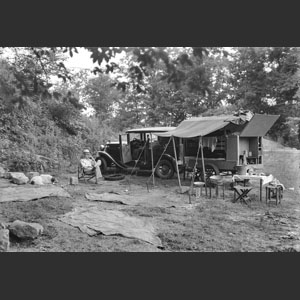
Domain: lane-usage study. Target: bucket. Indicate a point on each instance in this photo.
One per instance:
(241, 170)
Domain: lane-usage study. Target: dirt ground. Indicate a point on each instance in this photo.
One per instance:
(208, 224)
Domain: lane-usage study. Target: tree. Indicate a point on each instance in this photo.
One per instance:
(265, 80)
(100, 93)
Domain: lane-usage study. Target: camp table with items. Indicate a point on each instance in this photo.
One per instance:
(263, 179)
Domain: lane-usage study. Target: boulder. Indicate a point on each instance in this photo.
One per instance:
(4, 240)
(73, 180)
(32, 174)
(19, 178)
(37, 180)
(24, 230)
(43, 179)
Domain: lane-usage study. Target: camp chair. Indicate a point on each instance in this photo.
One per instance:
(242, 192)
(86, 175)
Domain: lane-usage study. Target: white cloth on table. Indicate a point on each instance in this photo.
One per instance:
(265, 179)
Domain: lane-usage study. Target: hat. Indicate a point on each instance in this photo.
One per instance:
(86, 151)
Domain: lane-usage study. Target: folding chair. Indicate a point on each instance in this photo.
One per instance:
(242, 192)
(86, 175)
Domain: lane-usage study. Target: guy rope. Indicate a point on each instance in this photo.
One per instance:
(152, 174)
(136, 162)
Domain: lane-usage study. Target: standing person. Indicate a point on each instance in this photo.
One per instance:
(89, 164)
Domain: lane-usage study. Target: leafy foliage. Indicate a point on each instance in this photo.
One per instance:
(148, 86)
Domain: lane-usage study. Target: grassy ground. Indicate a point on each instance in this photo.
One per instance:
(205, 225)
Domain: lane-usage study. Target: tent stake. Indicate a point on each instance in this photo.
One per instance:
(177, 169)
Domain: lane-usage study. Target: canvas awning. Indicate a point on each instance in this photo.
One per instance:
(150, 129)
(259, 125)
(202, 126)
(198, 127)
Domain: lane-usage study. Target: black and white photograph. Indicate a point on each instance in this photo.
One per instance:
(149, 149)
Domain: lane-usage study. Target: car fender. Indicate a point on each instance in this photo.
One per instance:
(171, 159)
(109, 158)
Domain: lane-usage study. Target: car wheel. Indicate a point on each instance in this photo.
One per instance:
(164, 169)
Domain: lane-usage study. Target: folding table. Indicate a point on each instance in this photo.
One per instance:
(262, 180)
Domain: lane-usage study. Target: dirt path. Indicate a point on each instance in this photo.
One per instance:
(206, 225)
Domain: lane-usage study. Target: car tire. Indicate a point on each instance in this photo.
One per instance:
(164, 169)
(114, 177)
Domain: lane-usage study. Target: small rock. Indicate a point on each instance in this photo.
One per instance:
(32, 174)
(73, 180)
(4, 240)
(24, 230)
(19, 178)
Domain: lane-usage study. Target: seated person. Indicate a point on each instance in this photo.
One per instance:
(89, 164)
(137, 148)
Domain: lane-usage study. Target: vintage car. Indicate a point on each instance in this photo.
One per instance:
(133, 150)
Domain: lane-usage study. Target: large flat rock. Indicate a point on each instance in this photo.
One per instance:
(26, 193)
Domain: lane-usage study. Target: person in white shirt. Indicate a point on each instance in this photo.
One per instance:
(89, 164)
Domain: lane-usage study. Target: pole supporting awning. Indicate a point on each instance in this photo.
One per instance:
(177, 169)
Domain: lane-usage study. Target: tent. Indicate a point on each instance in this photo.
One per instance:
(245, 123)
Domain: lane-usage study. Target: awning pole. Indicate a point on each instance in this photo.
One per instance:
(194, 172)
(152, 162)
(175, 154)
(203, 165)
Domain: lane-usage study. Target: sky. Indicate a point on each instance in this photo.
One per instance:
(80, 60)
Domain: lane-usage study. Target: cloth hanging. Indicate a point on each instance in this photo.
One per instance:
(210, 142)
